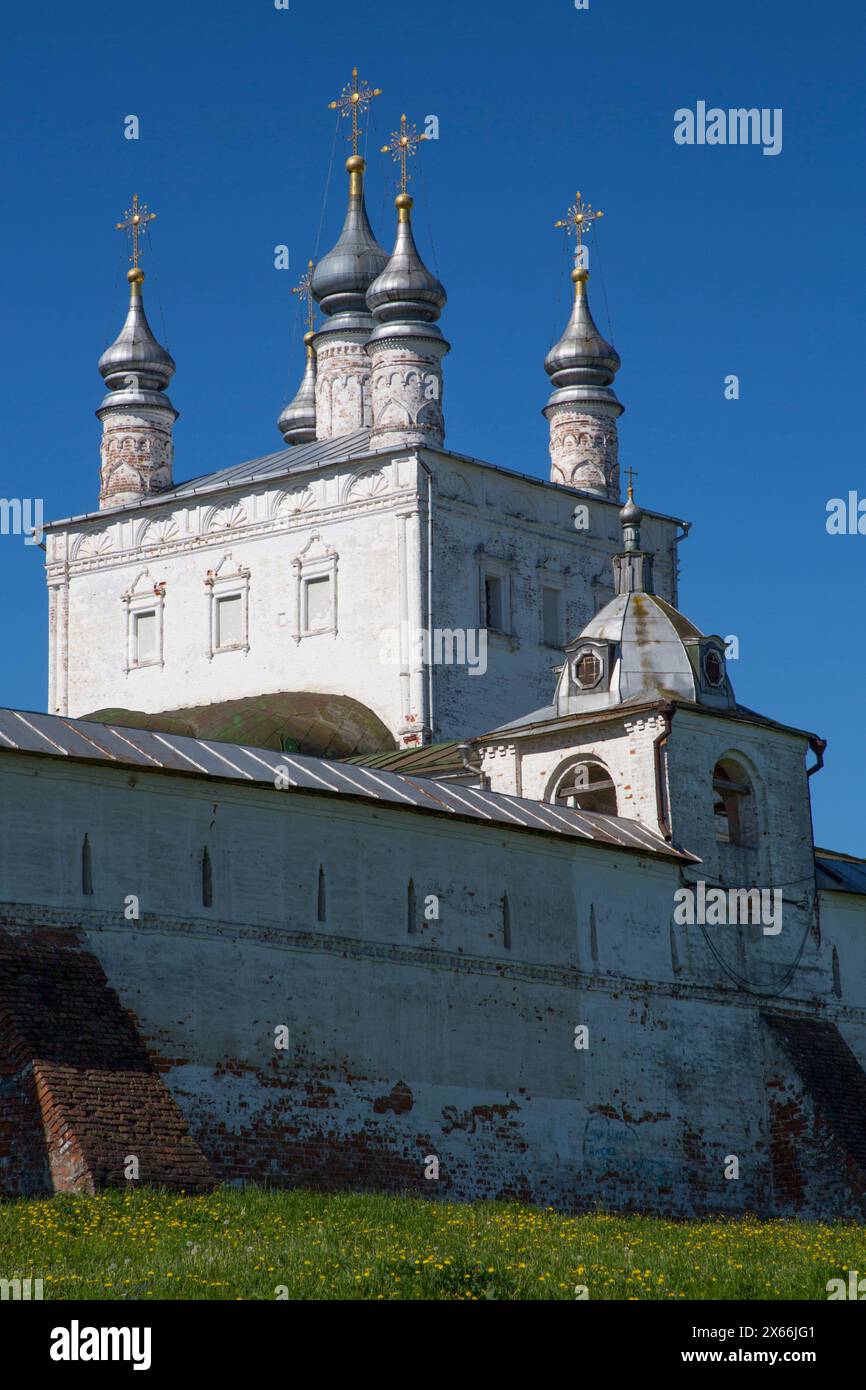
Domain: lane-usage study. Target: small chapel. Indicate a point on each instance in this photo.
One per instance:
(371, 783)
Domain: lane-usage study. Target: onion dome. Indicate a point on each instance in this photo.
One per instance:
(406, 291)
(136, 353)
(297, 424)
(582, 357)
(343, 276)
(631, 517)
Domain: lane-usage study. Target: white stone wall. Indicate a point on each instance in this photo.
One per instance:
(440, 1041)
(368, 522)
(534, 764)
(484, 521)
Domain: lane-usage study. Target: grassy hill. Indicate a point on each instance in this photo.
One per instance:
(258, 1244)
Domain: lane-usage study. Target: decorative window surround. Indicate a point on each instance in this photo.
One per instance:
(315, 561)
(227, 581)
(144, 596)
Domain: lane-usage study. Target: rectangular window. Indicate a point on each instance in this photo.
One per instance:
(551, 616)
(494, 616)
(230, 621)
(145, 638)
(317, 603)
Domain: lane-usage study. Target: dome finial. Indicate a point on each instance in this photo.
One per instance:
(353, 101)
(402, 146)
(135, 224)
(578, 220)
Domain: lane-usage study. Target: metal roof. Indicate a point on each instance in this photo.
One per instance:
(839, 873)
(57, 737)
(306, 458)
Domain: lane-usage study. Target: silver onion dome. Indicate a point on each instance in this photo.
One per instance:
(297, 424)
(136, 353)
(582, 357)
(406, 290)
(342, 277)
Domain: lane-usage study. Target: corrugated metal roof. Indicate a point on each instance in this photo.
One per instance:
(433, 757)
(57, 737)
(296, 459)
(839, 873)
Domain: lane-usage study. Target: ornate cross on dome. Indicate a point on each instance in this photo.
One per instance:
(135, 223)
(402, 146)
(578, 219)
(352, 101)
(631, 475)
(304, 288)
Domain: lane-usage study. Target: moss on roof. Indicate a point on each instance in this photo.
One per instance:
(323, 726)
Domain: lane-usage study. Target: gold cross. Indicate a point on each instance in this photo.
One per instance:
(304, 288)
(578, 219)
(402, 146)
(352, 101)
(135, 223)
(631, 475)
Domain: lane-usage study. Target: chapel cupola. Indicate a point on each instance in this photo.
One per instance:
(297, 423)
(406, 346)
(583, 408)
(339, 285)
(137, 417)
(638, 648)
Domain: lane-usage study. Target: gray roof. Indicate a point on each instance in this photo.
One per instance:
(296, 459)
(56, 737)
(840, 873)
(307, 458)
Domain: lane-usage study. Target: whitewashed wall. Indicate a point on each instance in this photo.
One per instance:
(371, 517)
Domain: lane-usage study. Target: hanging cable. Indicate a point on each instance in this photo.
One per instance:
(327, 188)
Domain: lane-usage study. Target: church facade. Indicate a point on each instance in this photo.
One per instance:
(558, 929)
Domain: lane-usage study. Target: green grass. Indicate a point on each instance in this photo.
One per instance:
(246, 1243)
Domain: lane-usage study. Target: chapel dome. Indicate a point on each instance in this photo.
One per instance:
(135, 351)
(639, 648)
(343, 276)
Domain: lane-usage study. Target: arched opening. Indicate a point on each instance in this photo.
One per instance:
(586, 785)
(734, 810)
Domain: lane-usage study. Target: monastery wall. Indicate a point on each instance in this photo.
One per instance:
(414, 1037)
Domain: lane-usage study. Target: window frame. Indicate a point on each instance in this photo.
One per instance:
(228, 580)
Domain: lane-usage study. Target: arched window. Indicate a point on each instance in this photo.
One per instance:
(734, 810)
(586, 786)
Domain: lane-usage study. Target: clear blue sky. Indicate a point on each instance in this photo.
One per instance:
(711, 260)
